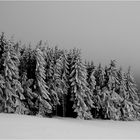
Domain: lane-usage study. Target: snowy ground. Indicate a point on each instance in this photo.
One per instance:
(20, 126)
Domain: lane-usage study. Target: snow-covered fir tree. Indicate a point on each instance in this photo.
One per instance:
(2, 80)
(2, 44)
(41, 87)
(27, 78)
(131, 87)
(122, 84)
(13, 91)
(100, 83)
(90, 76)
(61, 77)
(112, 76)
(132, 94)
(92, 86)
(100, 76)
(28, 93)
(109, 99)
(81, 95)
(50, 78)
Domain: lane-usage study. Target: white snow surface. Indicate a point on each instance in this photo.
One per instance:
(31, 127)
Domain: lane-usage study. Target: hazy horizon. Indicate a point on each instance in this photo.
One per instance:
(102, 30)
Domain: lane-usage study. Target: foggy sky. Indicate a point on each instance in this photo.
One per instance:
(102, 30)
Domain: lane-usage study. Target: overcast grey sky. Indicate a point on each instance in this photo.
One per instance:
(103, 30)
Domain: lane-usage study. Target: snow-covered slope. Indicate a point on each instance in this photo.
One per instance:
(21, 126)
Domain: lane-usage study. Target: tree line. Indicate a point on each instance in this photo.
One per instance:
(43, 81)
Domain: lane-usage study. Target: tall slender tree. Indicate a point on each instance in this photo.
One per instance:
(2, 80)
(92, 86)
(100, 76)
(50, 78)
(132, 92)
(81, 95)
(41, 87)
(13, 90)
(131, 86)
(61, 76)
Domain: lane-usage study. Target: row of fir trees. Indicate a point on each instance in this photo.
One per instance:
(46, 81)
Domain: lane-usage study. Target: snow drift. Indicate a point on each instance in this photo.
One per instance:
(22, 126)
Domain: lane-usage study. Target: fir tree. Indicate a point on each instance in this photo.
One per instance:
(2, 80)
(2, 45)
(28, 93)
(41, 87)
(110, 100)
(122, 84)
(97, 108)
(2, 95)
(81, 95)
(13, 90)
(111, 104)
(100, 83)
(27, 77)
(112, 76)
(61, 77)
(131, 86)
(132, 92)
(50, 78)
(122, 92)
(92, 86)
(90, 76)
(100, 76)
